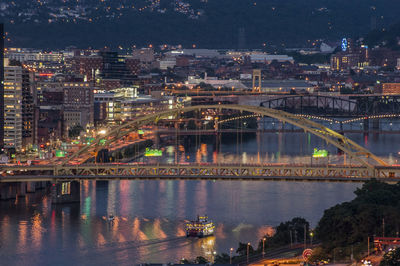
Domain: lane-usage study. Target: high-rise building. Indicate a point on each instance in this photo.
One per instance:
(13, 107)
(1, 85)
(28, 109)
(78, 105)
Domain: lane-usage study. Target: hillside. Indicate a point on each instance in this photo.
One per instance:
(206, 23)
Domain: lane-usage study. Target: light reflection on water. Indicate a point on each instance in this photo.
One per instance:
(150, 217)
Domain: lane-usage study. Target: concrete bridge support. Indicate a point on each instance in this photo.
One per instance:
(65, 192)
(366, 124)
(30, 187)
(12, 190)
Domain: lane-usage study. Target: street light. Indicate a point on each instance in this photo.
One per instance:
(230, 255)
(248, 247)
(263, 252)
(311, 236)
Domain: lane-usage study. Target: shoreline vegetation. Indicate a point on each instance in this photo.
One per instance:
(343, 231)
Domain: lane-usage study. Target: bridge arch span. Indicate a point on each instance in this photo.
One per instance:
(313, 104)
(351, 148)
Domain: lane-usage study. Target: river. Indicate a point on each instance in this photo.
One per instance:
(150, 215)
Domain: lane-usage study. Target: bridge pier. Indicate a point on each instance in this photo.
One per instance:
(366, 124)
(12, 190)
(65, 192)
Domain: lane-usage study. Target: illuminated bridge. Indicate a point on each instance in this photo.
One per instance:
(336, 106)
(365, 165)
(203, 171)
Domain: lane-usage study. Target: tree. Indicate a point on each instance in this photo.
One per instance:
(74, 131)
(242, 249)
(351, 223)
(184, 261)
(290, 230)
(391, 258)
(200, 260)
(223, 258)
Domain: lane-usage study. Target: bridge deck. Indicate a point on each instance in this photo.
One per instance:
(51, 178)
(117, 171)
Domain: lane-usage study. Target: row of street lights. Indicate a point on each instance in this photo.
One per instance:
(248, 251)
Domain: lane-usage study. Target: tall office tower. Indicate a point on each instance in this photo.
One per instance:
(1, 85)
(13, 107)
(28, 111)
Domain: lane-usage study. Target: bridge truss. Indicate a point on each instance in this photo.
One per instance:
(57, 173)
(352, 149)
(336, 106)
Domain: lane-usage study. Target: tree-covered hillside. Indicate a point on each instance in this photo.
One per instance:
(206, 23)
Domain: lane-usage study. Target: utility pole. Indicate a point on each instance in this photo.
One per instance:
(263, 252)
(368, 246)
(230, 256)
(352, 254)
(305, 236)
(291, 238)
(248, 247)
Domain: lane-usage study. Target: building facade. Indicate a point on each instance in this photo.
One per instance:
(13, 107)
(78, 102)
(388, 88)
(1, 85)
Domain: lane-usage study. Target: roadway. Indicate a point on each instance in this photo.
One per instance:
(206, 171)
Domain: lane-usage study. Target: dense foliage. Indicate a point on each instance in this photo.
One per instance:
(345, 228)
(287, 232)
(389, 38)
(197, 260)
(75, 131)
(392, 258)
(215, 24)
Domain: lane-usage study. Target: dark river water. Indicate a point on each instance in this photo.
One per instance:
(150, 215)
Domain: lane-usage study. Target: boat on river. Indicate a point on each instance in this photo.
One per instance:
(200, 228)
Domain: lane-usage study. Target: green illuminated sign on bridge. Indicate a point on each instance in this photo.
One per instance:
(153, 153)
(320, 153)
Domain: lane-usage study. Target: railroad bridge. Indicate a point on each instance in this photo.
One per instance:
(336, 106)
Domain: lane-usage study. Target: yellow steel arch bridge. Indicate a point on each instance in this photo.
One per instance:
(352, 149)
(368, 165)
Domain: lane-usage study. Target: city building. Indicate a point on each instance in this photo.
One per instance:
(343, 61)
(25, 55)
(1, 85)
(388, 88)
(198, 53)
(268, 59)
(87, 65)
(168, 62)
(144, 55)
(78, 103)
(283, 86)
(49, 104)
(124, 104)
(28, 110)
(13, 107)
(115, 72)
